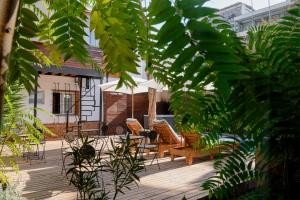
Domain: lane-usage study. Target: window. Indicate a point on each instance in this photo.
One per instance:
(63, 103)
(40, 97)
(87, 83)
(258, 22)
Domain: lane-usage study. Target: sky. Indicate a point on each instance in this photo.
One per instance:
(257, 4)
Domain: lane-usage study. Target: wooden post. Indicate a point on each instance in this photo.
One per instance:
(35, 98)
(80, 107)
(132, 103)
(100, 109)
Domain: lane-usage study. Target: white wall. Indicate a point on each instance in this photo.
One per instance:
(47, 85)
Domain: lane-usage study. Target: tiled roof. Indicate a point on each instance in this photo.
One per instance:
(95, 53)
(72, 67)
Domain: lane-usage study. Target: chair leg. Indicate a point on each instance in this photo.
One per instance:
(44, 153)
(189, 160)
(157, 161)
(141, 152)
(63, 168)
(172, 157)
(155, 157)
(43, 157)
(148, 152)
(161, 153)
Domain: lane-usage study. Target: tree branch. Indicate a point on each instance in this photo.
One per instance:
(8, 16)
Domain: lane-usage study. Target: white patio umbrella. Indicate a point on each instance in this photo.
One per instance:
(112, 87)
(154, 85)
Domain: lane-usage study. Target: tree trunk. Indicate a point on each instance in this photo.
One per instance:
(8, 16)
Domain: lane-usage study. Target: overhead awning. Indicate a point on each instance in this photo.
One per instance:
(68, 71)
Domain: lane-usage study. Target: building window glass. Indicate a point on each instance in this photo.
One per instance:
(62, 103)
(87, 83)
(40, 97)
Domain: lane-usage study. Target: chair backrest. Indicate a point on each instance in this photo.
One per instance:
(134, 126)
(191, 139)
(166, 133)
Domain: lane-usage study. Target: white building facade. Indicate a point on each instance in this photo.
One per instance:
(242, 16)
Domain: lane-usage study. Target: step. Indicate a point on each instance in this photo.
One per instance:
(88, 103)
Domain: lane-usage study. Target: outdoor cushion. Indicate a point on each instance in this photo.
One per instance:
(131, 120)
(134, 126)
(165, 131)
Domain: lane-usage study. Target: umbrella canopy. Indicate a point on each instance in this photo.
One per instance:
(107, 85)
(112, 87)
(126, 90)
(154, 85)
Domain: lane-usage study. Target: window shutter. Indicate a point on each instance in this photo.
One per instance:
(76, 103)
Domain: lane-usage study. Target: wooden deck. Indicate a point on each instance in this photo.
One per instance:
(173, 181)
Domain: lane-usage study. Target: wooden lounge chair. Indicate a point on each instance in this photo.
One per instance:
(134, 126)
(191, 148)
(167, 136)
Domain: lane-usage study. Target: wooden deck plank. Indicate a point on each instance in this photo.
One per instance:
(173, 181)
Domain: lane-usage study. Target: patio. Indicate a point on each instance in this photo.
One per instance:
(173, 181)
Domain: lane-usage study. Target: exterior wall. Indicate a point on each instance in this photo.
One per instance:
(141, 104)
(246, 17)
(60, 129)
(117, 108)
(232, 11)
(47, 85)
(258, 17)
(235, 10)
(115, 111)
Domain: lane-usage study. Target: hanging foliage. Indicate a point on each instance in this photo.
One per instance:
(254, 97)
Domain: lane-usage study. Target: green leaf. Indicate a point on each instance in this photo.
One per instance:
(214, 46)
(26, 44)
(29, 68)
(186, 4)
(30, 25)
(163, 16)
(223, 58)
(172, 29)
(30, 15)
(294, 11)
(158, 6)
(60, 22)
(30, 1)
(61, 30)
(176, 46)
(26, 55)
(229, 68)
(57, 15)
(62, 39)
(194, 66)
(203, 31)
(198, 12)
(185, 57)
